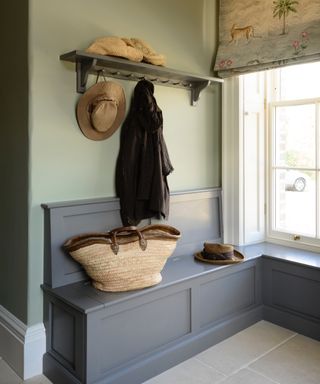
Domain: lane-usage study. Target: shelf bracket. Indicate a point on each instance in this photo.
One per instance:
(83, 69)
(197, 89)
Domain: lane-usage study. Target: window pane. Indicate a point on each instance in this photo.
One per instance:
(295, 136)
(300, 81)
(295, 202)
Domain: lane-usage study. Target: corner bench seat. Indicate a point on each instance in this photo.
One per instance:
(84, 298)
(195, 306)
(119, 338)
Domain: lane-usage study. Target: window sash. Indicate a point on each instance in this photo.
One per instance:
(273, 232)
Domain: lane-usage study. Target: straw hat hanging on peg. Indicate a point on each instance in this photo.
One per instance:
(101, 109)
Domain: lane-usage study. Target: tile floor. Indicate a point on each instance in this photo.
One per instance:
(261, 354)
(7, 376)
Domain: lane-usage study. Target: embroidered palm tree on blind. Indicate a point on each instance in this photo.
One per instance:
(282, 8)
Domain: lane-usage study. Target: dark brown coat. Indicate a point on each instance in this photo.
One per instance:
(143, 163)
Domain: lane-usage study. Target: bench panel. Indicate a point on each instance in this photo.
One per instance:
(118, 338)
(291, 296)
(63, 335)
(227, 296)
(296, 293)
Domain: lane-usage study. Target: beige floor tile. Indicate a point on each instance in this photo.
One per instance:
(189, 372)
(295, 362)
(37, 380)
(246, 376)
(239, 350)
(7, 375)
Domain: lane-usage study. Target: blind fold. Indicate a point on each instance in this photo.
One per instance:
(259, 35)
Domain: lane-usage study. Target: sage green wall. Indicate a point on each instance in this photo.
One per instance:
(67, 166)
(14, 158)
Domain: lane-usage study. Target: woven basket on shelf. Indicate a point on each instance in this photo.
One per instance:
(125, 258)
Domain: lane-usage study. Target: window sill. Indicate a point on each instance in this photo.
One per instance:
(309, 258)
(286, 240)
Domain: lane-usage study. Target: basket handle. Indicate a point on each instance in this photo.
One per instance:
(114, 243)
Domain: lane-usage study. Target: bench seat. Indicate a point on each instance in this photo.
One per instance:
(97, 337)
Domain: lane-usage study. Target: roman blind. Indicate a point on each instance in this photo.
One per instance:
(262, 34)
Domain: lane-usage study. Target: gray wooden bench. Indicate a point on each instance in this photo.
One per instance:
(112, 338)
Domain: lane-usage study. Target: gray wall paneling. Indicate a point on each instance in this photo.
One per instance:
(64, 220)
(198, 216)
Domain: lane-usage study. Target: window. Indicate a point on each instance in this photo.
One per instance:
(293, 155)
(271, 156)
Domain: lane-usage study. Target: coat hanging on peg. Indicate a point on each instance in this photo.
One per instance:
(143, 163)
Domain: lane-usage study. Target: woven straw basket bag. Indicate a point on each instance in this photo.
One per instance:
(125, 258)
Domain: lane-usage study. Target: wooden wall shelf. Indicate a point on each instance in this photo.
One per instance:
(87, 63)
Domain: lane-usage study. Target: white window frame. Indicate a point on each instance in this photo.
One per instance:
(234, 171)
(243, 222)
(281, 237)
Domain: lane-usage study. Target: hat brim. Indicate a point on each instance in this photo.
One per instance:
(237, 258)
(83, 115)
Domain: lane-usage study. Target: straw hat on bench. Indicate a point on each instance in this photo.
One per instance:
(214, 253)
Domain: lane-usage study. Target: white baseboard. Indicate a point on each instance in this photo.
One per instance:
(22, 347)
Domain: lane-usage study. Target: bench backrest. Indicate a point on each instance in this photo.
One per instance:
(197, 214)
